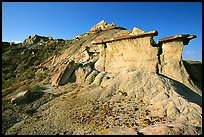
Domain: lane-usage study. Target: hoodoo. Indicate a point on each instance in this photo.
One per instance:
(109, 81)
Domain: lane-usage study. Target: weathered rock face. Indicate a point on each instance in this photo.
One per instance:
(102, 26)
(56, 78)
(124, 83)
(138, 51)
(117, 131)
(171, 64)
(35, 39)
(128, 53)
(136, 31)
(81, 73)
(171, 129)
(83, 56)
(63, 77)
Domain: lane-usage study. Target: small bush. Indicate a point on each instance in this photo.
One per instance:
(40, 75)
(33, 89)
(36, 89)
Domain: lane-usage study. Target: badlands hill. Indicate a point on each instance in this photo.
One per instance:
(107, 81)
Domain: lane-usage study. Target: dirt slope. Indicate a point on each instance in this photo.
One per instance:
(91, 101)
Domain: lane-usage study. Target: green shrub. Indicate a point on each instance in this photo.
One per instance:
(40, 75)
(37, 62)
(33, 89)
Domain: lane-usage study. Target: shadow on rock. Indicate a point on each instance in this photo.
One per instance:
(186, 92)
(29, 97)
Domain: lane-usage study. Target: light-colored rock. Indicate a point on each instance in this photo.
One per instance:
(100, 26)
(125, 36)
(50, 38)
(81, 73)
(66, 74)
(35, 39)
(56, 78)
(99, 78)
(19, 97)
(171, 129)
(62, 77)
(83, 56)
(131, 89)
(171, 59)
(136, 31)
(127, 53)
(78, 37)
(138, 86)
(117, 131)
(136, 51)
(91, 77)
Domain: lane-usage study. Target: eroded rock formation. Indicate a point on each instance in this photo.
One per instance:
(35, 39)
(118, 81)
(170, 59)
(102, 25)
(138, 51)
(127, 53)
(130, 51)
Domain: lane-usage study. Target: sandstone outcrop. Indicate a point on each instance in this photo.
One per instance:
(35, 39)
(127, 53)
(133, 50)
(170, 59)
(63, 77)
(116, 81)
(138, 51)
(103, 26)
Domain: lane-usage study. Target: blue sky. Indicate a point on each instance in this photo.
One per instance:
(68, 19)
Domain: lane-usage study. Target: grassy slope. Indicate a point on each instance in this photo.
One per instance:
(18, 66)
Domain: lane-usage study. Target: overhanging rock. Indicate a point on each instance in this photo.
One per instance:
(138, 51)
(128, 52)
(185, 38)
(171, 63)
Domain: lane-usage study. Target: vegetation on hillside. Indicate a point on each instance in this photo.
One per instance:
(19, 66)
(18, 61)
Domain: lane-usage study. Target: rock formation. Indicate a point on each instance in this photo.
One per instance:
(118, 81)
(103, 26)
(138, 51)
(127, 53)
(35, 39)
(170, 59)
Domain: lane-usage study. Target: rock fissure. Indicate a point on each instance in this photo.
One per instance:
(159, 64)
(105, 48)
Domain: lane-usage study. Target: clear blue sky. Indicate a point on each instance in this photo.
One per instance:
(68, 19)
